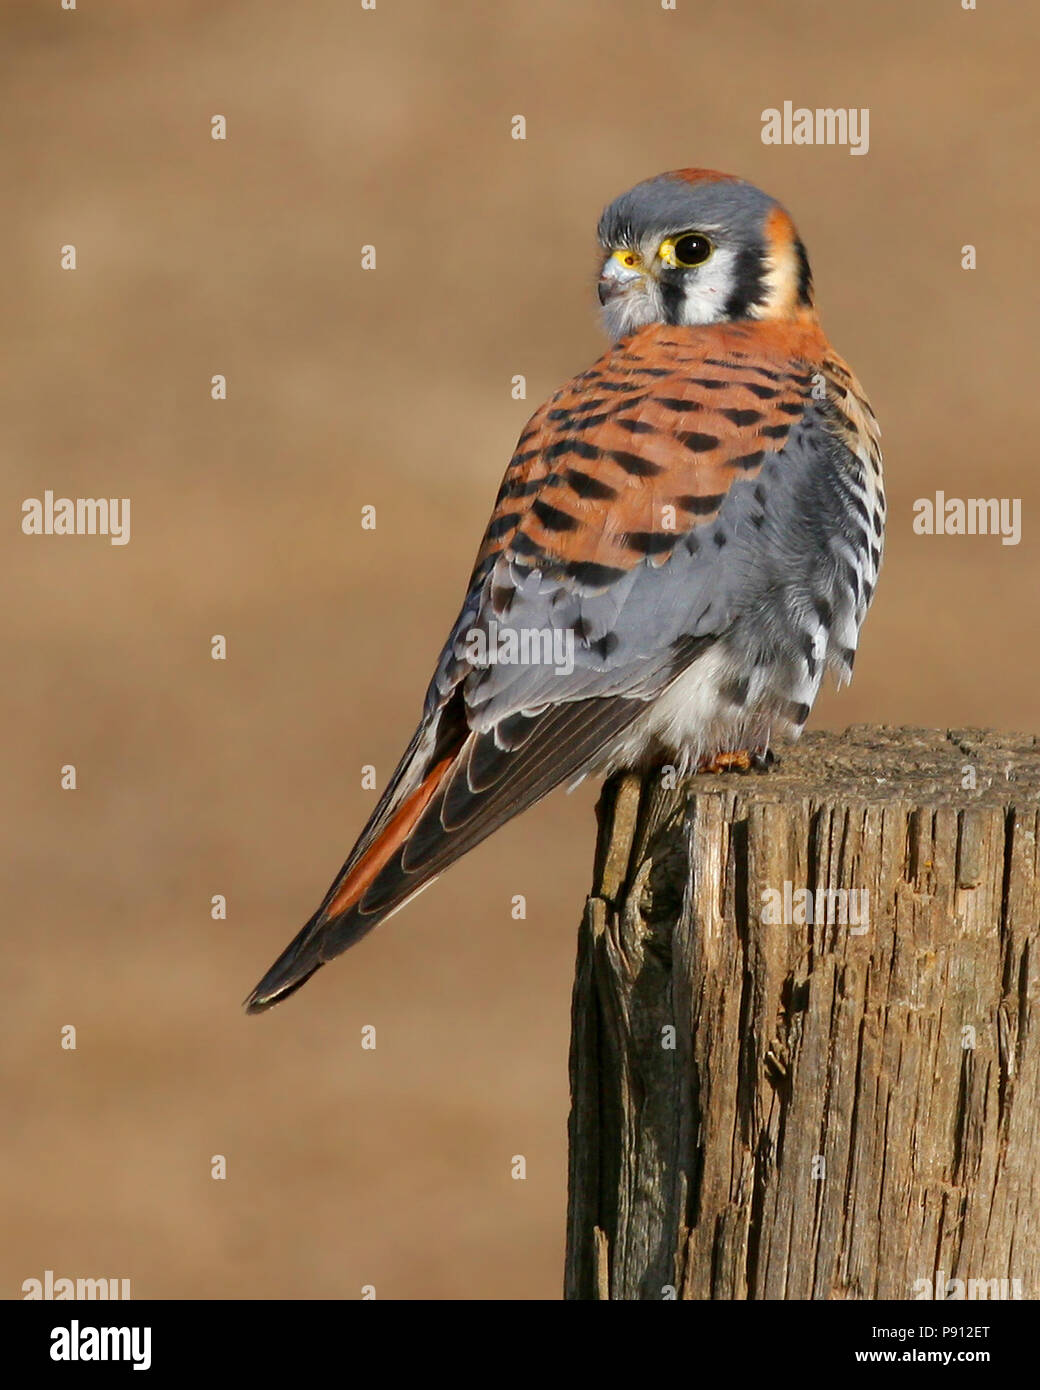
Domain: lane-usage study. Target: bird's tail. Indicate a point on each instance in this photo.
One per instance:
(370, 887)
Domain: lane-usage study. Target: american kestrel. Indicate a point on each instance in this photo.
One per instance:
(688, 533)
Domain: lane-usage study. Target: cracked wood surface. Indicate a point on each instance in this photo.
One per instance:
(812, 1109)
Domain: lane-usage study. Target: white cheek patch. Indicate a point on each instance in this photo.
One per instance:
(709, 287)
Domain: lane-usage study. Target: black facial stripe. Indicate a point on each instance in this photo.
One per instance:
(672, 297)
(805, 287)
(748, 282)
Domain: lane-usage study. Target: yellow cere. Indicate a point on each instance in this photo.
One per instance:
(628, 259)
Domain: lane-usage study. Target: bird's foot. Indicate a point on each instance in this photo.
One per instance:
(742, 760)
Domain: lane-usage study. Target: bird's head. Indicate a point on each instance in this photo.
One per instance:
(696, 247)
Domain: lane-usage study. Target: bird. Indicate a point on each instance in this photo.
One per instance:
(688, 535)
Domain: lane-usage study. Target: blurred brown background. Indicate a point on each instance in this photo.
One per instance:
(392, 127)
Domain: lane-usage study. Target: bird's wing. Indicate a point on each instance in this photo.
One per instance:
(619, 549)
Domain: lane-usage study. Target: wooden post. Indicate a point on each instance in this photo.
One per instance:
(772, 1099)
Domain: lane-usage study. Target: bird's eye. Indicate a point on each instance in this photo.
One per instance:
(687, 250)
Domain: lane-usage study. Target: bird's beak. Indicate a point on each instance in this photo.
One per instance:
(617, 278)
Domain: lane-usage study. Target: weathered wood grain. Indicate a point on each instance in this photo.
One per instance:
(813, 1109)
